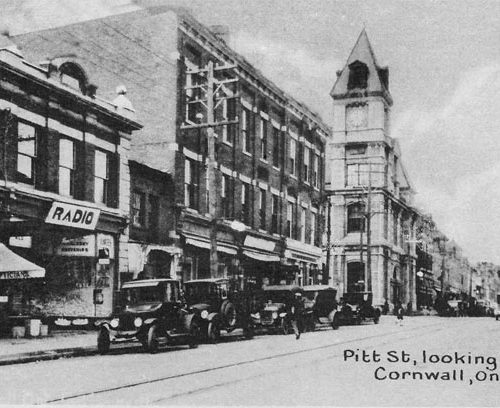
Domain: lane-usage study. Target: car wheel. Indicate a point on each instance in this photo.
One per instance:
(103, 341)
(213, 332)
(229, 312)
(335, 323)
(194, 335)
(152, 343)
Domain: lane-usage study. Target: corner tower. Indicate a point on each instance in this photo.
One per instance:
(369, 192)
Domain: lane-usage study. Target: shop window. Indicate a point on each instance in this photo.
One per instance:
(356, 217)
(138, 209)
(26, 152)
(101, 177)
(66, 167)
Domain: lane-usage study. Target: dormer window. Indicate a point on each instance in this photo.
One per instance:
(358, 76)
(73, 76)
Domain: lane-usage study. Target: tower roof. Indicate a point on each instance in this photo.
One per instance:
(377, 83)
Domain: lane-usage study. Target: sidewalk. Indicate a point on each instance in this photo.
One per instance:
(58, 344)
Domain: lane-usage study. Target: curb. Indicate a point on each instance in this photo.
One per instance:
(23, 358)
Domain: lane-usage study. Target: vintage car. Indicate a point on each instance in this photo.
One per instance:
(151, 312)
(321, 299)
(221, 305)
(356, 307)
(275, 311)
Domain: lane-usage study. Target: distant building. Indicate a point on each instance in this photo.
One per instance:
(64, 188)
(270, 156)
(368, 187)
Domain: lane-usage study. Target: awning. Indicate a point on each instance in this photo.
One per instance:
(261, 257)
(206, 245)
(13, 266)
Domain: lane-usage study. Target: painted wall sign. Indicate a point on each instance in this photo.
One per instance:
(22, 242)
(71, 215)
(22, 274)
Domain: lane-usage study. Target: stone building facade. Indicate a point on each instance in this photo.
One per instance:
(373, 222)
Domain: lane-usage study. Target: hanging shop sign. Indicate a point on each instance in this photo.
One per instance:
(21, 242)
(71, 215)
(105, 247)
(82, 246)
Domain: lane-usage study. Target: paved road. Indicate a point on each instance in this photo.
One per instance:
(319, 369)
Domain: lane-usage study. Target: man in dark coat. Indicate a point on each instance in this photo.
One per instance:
(297, 312)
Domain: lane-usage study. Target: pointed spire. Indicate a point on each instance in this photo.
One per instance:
(362, 60)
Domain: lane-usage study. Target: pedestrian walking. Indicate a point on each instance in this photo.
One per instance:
(297, 312)
(399, 313)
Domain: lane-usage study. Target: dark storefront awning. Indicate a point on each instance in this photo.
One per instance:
(13, 266)
(261, 256)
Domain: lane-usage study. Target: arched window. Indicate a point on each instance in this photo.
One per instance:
(358, 76)
(356, 217)
(72, 75)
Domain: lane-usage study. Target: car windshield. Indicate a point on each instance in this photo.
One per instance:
(278, 296)
(200, 292)
(145, 294)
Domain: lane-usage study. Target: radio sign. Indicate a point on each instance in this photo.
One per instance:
(71, 215)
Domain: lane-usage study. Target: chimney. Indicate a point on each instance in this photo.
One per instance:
(221, 32)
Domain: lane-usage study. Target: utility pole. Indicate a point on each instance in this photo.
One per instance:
(213, 99)
(368, 277)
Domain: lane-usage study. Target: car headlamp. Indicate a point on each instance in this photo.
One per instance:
(282, 314)
(275, 315)
(138, 322)
(204, 314)
(114, 323)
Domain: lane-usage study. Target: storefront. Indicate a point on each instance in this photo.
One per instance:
(146, 261)
(307, 259)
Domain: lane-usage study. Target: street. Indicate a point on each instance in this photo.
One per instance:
(353, 366)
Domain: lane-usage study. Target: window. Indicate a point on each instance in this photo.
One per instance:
(358, 76)
(26, 153)
(66, 167)
(194, 95)
(190, 184)
(289, 220)
(276, 147)
(138, 209)
(262, 208)
(228, 114)
(275, 210)
(245, 203)
(263, 139)
(356, 217)
(292, 157)
(226, 196)
(101, 176)
(315, 167)
(72, 75)
(313, 229)
(357, 174)
(302, 225)
(154, 215)
(355, 149)
(245, 129)
(306, 164)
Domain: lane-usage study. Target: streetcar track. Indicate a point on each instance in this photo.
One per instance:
(225, 366)
(221, 384)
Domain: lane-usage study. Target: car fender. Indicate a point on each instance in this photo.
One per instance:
(150, 321)
(213, 317)
(332, 315)
(103, 323)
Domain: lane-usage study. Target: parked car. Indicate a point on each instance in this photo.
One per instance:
(322, 300)
(151, 312)
(356, 307)
(221, 304)
(275, 311)
(496, 311)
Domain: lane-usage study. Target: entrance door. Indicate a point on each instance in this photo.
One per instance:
(355, 274)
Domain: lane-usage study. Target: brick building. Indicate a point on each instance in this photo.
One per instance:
(368, 187)
(269, 158)
(64, 187)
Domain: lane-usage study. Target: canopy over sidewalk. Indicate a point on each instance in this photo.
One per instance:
(13, 266)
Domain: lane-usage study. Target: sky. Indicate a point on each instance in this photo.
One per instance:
(444, 62)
